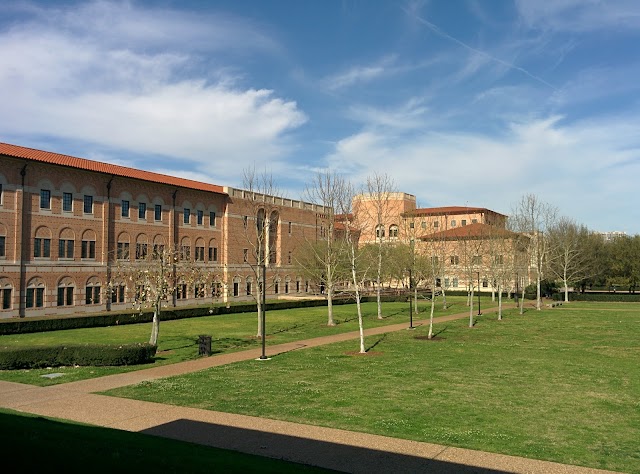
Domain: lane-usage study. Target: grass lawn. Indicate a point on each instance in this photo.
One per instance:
(178, 339)
(562, 385)
(71, 447)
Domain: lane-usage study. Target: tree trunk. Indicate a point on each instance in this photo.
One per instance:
(330, 321)
(433, 306)
(260, 315)
(444, 299)
(357, 290)
(155, 326)
(522, 301)
(499, 303)
(471, 308)
(538, 296)
(378, 281)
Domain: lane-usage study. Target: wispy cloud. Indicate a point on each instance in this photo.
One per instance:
(579, 15)
(360, 74)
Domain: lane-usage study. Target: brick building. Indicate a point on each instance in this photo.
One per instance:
(65, 222)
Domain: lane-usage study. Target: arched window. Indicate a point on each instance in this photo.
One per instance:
(6, 293)
(142, 248)
(88, 249)
(92, 291)
(185, 249)
(380, 231)
(199, 255)
(236, 286)
(65, 292)
(393, 231)
(213, 251)
(158, 246)
(66, 243)
(122, 249)
(249, 282)
(287, 284)
(42, 243)
(118, 291)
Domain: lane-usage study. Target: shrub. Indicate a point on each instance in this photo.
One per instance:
(68, 355)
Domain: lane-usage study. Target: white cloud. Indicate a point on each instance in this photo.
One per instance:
(581, 168)
(118, 76)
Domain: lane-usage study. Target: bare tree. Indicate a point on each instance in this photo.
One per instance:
(379, 193)
(159, 276)
(259, 234)
(569, 257)
(534, 218)
(350, 228)
(321, 258)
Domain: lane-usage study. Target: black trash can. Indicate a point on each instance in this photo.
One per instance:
(204, 345)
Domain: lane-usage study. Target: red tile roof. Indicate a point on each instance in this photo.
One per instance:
(471, 231)
(448, 210)
(99, 167)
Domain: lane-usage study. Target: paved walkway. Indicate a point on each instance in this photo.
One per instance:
(339, 450)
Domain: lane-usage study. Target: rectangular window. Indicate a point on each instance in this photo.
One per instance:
(464, 222)
(158, 250)
(39, 297)
(474, 221)
(245, 255)
(142, 211)
(45, 199)
(88, 204)
(289, 258)
(436, 224)
(141, 251)
(290, 227)
(117, 294)
(455, 260)
(6, 298)
(157, 212)
(276, 287)
(35, 297)
(2, 246)
(423, 224)
(248, 288)
(186, 215)
(476, 260)
(29, 300)
(41, 247)
(212, 219)
(411, 225)
(124, 207)
(499, 259)
(200, 217)
(67, 202)
(181, 291)
(65, 296)
(199, 254)
(92, 295)
(213, 254)
(455, 283)
(88, 249)
(185, 252)
(245, 221)
(65, 248)
(453, 223)
(123, 251)
(198, 290)
(236, 288)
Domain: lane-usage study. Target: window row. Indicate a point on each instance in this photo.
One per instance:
(393, 231)
(276, 286)
(67, 201)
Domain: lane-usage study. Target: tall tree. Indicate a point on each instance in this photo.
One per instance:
(379, 192)
(570, 258)
(322, 257)
(534, 218)
(259, 233)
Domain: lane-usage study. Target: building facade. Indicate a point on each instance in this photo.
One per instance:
(66, 223)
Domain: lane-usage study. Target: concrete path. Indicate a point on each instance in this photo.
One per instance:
(339, 450)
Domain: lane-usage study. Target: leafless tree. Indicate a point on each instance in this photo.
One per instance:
(157, 278)
(321, 257)
(379, 192)
(569, 256)
(534, 218)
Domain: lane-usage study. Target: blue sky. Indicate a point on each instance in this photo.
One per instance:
(460, 102)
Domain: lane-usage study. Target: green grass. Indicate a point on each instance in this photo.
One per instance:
(560, 385)
(34, 442)
(179, 338)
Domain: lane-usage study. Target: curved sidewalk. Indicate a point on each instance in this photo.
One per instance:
(339, 450)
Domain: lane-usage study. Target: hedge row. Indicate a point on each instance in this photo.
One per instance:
(605, 297)
(71, 355)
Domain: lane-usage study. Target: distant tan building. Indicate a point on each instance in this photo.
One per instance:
(467, 242)
(66, 221)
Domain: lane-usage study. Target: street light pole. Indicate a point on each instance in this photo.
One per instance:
(410, 302)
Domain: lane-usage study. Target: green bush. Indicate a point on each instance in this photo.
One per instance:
(605, 297)
(69, 355)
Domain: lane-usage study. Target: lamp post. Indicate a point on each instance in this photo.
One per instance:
(479, 313)
(410, 302)
(263, 295)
